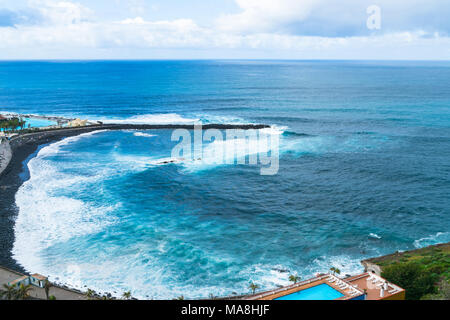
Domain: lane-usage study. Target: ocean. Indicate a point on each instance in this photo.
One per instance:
(364, 170)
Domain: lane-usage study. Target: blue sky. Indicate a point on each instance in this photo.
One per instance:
(218, 29)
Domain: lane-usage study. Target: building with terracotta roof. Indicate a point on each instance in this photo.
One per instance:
(38, 280)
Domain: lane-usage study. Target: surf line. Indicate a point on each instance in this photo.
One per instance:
(235, 146)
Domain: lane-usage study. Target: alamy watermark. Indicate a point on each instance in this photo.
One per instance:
(230, 146)
(374, 19)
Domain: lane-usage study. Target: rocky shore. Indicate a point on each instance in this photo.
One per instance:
(5, 155)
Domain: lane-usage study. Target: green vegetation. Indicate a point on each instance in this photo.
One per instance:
(253, 287)
(126, 295)
(90, 294)
(23, 292)
(15, 293)
(47, 286)
(212, 296)
(12, 124)
(294, 278)
(423, 273)
(411, 276)
(443, 292)
(335, 271)
(8, 292)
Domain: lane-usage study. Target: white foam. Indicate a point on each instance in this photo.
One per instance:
(54, 148)
(374, 236)
(143, 134)
(165, 118)
(224, 152)
(274, 129)
(207, 118)
(264, 275)
(440, 237)
(45, 219)
(345, 263)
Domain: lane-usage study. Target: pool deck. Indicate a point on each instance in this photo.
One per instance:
(370, 285)
(324, 279)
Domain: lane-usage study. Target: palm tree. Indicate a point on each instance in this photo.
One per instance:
(337, 271)
(21, 123)
(212, 296)
(126, 295)
(90, 294)
(47, 286)
(9, 292)
(294, 278)
(252, 286)
(24, 292)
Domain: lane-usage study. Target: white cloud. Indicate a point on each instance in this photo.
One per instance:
(265, 15)
(332, 18)
(61, 12)
(70, 30)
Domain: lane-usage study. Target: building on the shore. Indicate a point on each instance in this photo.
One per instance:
(2, 118)
(24, 280)
(77, 123)
(38, 280)
(366, 286)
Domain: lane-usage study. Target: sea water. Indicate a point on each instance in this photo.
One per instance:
(364, 171)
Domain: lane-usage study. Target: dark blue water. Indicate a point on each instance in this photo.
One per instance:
(364, 170)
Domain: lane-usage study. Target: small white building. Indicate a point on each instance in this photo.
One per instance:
(38, 280)
(25, 280)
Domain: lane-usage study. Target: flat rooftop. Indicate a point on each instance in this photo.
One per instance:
(375, 286)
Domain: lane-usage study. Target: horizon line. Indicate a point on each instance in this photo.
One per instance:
(222, 59)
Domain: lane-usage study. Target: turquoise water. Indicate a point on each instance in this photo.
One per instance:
(320, 292)
(38, 123)
(364, 171)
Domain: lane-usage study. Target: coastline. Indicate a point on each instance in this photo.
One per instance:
(23, 146)
(5, 155)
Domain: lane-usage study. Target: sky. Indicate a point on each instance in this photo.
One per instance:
(225, 29)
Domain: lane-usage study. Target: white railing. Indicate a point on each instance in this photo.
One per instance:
(292, 286)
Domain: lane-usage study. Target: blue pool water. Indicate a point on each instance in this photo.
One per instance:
(364, 171)
(320, 292)
(38, 123)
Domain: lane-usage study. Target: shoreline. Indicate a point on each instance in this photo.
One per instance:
(5, 155)
(23, 146)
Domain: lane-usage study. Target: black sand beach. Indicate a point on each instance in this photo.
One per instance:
(25, 145)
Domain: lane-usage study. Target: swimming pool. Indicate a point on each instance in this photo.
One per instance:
(38, 123)
(320, 292)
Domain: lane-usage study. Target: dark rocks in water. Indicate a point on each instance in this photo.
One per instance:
(281, 270)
